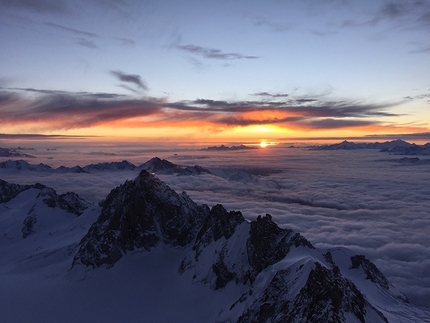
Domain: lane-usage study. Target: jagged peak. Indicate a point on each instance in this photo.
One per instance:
(140, 214)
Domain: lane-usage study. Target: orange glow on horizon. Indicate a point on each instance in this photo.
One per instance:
(157, 129)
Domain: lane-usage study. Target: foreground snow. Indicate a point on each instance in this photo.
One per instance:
(216, 274)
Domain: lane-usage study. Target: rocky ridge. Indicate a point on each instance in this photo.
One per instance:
(395, 147)
(285, 277)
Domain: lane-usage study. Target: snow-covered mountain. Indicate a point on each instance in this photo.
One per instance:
(23, 165)
(154, 165)
(7, 152)
(283, 277)
(160, 166)
(396, 147)
(112, 166)
(169, 258)
(224, 148)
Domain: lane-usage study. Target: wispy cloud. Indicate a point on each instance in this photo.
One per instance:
(87, 43)
(321, 33)
(82, 40)
(403, 15)
(40, 6)
(213, 53)
(130, 78)
(72, 30)
(125, 41)
(272, 25)
(267, 94)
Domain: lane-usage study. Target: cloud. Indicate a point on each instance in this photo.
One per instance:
(278, 95)
(392, 10)
(321, 33)
(402, 15)
(342, 198)
(125, 41)
(421, 50)
(72, 30)
(273, 26)
(213, 53)
(82, 41)
(66, 110)
(87, 43)
(424, 96)
(40, 6)
(32, 136)
(130, 78)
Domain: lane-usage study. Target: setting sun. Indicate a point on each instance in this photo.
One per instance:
(263, 144)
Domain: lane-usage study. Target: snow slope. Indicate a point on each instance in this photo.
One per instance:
(200, 265)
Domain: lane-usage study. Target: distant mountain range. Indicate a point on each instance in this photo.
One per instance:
(257, 271)
(7, 152)
(154, 165)
(395, 147)
(224, 148)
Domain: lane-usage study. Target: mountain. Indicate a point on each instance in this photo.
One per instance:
(154, 165)
(139, 215)
(74, 169)
(194, 170)
(8, 191)
(276, 274)
(69, 202)
(347, 145)
(23, 165)
(413, 161)
(411, 149)
(6, 152)
(112, 166)
(397, 147)
(160, 166)
(224, 148)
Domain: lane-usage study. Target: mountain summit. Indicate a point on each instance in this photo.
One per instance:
(280, 275)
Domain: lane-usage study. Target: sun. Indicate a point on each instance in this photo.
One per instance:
(263, 144)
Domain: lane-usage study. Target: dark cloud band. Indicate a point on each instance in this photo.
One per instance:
(66, 110)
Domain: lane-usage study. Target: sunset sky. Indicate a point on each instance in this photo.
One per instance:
(215, 71)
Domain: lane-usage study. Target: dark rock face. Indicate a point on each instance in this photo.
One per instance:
(8, 191)
(219, 223)
(23, 165)
(194, 170)
(372, 272)
(69, 202)
(326, 297)
(6, 152)
(124, 165)
(28, 226)
(286, 279)
(268, 243)
(138, 215)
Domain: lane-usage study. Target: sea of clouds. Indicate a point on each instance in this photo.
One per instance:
(360, 199)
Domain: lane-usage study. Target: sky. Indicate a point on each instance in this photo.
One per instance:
(215, 71)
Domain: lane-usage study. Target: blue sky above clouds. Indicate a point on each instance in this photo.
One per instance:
(367, 52)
